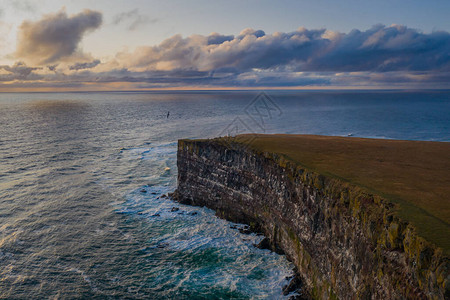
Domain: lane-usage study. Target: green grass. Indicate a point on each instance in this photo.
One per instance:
(413, 174)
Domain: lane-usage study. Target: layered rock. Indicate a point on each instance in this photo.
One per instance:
(345, 242)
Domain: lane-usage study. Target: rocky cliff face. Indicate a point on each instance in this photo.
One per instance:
(345, 242)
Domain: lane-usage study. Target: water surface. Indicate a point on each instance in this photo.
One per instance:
(82, 175)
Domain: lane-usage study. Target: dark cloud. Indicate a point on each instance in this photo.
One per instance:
(251, 49)
(18, 71)
(52, 67)
(133, 18)
(216, 39)
(19, 68)
(86, 65)
(382, 49)
(55, 36)
(251, 31)
(379, 49)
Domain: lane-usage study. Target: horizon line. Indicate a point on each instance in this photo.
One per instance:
(230, 89)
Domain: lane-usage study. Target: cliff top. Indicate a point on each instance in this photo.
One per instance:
(414, 174)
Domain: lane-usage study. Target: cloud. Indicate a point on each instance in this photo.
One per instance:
(87, 65)
(382, 49)
(19, 71)
(382, 56)
(52, 67)
(379, 49)
(250, 49)
(125, 79)
(55, 36)
(217, 39)
(133, 18)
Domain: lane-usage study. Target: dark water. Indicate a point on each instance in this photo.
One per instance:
(74, 222)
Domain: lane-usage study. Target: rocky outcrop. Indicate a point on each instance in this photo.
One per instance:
(345, 242)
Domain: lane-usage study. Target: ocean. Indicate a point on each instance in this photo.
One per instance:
(82, 179)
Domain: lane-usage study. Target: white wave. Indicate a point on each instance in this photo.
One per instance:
(197, 229)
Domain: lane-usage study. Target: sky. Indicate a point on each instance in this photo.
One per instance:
(78, 45)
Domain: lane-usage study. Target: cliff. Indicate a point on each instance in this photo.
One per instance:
(348, 238)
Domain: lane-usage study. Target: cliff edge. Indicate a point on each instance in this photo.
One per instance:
(360, 218)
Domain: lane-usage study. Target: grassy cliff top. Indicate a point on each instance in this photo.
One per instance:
(414, 174)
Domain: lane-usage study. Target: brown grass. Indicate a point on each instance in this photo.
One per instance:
(414, 174)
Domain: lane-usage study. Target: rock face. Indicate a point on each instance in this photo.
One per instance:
(345, 242)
